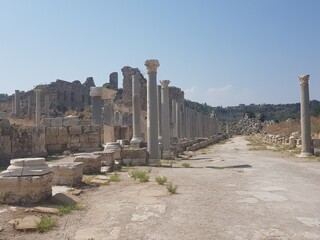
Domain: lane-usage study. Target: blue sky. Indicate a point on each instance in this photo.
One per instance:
(220, 52)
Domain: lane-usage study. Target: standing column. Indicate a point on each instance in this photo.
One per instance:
(29, 108)
(17, 102)
(177, 125)
(174, 117)
(38, 106)
(159, 113)
(188, 134)
(152, 111)
(165, 118)
(305, 116)
(95, 93)
(136, 113)
(47, 105)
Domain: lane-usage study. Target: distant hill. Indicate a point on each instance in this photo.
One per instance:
(276, 112)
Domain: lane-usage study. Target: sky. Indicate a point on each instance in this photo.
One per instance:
(219, 52)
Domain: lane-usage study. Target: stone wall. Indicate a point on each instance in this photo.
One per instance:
(20, 142)
(67, 134)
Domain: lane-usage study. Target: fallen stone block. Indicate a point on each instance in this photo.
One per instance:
(68, 173)
(65, 199)
(91, 163)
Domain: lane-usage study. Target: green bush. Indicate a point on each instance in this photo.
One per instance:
(161, 180)
(46, 224)
(114, 178)
(142, 176)
(171, 188)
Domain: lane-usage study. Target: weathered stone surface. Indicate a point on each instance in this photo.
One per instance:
(115, 148)
(106, 157)
(70, 121)
(26, 189)
(75, 130)
(68, 173)
(56, 122)
(28, 223)
(134, 157)
(91, 163)
(65, 199)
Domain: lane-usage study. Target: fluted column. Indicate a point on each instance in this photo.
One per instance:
(159, 94)
(165, 118)
(136, 113)
(47, 105)
(174, 118)
(305, 116)
(152, 111)
(38, 106)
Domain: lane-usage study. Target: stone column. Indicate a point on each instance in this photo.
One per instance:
(29, 108)
(96, 93)
(178, 125)
(38, 106)
(159, 113)
(152, 111)
(136, 113)
(174, 117)
(17, 102)
(47, 106)
(165, 118)
(305, 116)
(188, 133)
(13, 105)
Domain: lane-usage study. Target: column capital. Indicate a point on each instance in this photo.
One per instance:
(164, 83)
(152, 65)
(304, 79)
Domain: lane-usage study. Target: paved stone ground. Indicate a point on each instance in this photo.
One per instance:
(229, 193)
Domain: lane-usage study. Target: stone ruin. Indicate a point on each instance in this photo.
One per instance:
(157, 115)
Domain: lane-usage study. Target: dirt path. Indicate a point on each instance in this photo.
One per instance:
(229, 193)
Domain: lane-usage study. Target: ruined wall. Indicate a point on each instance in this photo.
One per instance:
(127, 73)
(68, 134)
(20, 142)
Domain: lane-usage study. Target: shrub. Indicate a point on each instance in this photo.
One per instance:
(171, 188)
(141, 175)
(46, 224)
(115, 178)
(161, 180)
(64, 209)
(186, 165)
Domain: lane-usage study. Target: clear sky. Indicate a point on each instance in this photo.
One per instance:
(220, 52)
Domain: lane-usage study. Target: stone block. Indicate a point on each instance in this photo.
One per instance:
(52, 131)
(115, 148)
(84, 138)
(75, 146)
(74, 139)
(94, 145)
(75, 130)
(94, 138)
(63, 140)
(68, 173)
(56, 122)
(91, 163)
(63, 131)
(46, 122)
(26, 189)
(70, 121)
(134, 157)
(106, 157)
(56, 148)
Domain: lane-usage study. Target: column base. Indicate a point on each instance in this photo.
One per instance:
(154, 163)
(305, 154)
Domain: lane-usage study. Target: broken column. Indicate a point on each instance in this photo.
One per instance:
(38, 106)
(165, 114)
(113, 81)
(136, 113)
(305, 116)
(26, 181)
(152, 111)
(96, 93)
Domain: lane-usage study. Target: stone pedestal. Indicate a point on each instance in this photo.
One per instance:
(68, 173)
(96, 93)
(152, 111)
(305, 116)
(26, 181)
(115, 148)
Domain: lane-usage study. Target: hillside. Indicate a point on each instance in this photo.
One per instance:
(276, 112)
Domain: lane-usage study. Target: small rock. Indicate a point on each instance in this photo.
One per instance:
(14, 222)
(65, 199)
(1, 229)
(28, 223)
(40, 209)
